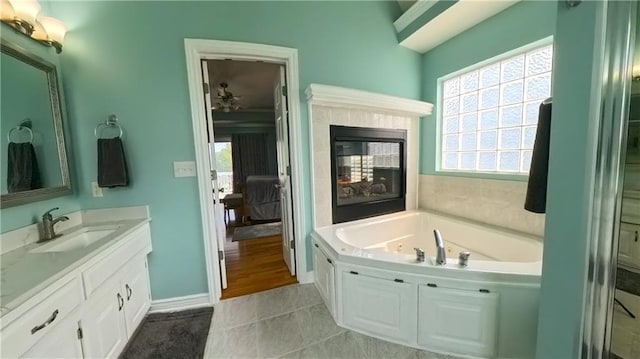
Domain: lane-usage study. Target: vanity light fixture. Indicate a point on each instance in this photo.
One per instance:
(24, 16)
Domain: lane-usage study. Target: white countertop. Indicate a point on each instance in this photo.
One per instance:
(24, 273)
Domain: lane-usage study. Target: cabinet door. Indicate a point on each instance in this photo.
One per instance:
(458, 321)
(103, 322)
(135, 289)
(61, 342)
(324, 272)
(380, 307)
(629, 245)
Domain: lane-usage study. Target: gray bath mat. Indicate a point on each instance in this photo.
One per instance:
(171, 335)
(257, 231)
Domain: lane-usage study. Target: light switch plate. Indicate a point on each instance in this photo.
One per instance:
(184, 169)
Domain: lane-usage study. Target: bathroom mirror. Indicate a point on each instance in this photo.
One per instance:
(32, 146)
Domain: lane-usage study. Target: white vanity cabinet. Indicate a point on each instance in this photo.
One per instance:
(135, 291)
(324, 277)
(93, 313)
(103, 325)
(114, 311)
(455, 320)
(379, 306)
(629, 245)
(61, 342)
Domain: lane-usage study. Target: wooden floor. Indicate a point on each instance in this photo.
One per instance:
(255, 265)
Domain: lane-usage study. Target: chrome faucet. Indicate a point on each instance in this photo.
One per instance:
(441, 258)
(419, 254)
(48, 232)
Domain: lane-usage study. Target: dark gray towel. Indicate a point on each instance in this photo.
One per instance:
(536, 200)
(112, 164)
(23, 173)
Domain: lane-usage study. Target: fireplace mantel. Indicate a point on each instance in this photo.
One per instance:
(335, 96)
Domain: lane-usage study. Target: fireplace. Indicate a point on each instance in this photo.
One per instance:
(368, 172)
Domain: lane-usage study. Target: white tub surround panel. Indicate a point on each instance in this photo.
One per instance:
(494, 202)
(331, 105)
(487, 309)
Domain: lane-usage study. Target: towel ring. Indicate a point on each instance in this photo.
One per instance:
(111, 121)
(20, 128)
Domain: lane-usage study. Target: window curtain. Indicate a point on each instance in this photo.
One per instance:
(249, 153)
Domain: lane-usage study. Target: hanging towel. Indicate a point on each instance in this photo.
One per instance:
(112, 164)
(23, 173)
(536, 200)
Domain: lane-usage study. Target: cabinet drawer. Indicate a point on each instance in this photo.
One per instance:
(36, 322)
(631, 210)
(108, 266)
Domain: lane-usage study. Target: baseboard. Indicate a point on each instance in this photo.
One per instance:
(180, 303)
(307, 277)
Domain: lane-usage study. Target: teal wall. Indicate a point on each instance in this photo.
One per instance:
(128, 58)
(519, 25)
(571, 175)
(20, 216)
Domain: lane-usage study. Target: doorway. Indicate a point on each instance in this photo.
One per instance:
(249, 139)
(233, 199)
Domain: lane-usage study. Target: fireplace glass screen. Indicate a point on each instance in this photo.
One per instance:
(368, 172)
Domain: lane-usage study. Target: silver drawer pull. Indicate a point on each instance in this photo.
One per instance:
(129, 292)
(49, 321)
(120, 302)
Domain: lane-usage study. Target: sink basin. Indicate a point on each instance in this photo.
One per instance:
(75, 240)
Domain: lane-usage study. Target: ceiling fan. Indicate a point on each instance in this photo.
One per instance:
(224, 99)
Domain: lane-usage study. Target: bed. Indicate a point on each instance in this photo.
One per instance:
(263, 197)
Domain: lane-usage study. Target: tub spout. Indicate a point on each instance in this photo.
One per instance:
(441, 258)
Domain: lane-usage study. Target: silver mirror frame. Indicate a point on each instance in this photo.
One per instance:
(615, 94)
(20, 198)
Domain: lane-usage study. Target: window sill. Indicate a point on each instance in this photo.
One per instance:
(484, 175)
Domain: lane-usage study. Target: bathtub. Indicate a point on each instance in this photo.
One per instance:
(367, 273)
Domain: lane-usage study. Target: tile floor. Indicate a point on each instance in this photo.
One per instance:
(625, 340)
(292, 322)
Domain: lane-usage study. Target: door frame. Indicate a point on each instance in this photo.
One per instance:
(203, 49)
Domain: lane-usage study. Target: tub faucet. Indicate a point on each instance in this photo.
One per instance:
(48, 232)
(419, 254)
(441, 258)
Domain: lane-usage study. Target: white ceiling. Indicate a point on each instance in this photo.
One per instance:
(406, 4)
(252, 82)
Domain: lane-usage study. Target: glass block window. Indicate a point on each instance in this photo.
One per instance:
(489, 114)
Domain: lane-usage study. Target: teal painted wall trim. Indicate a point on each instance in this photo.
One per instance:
(575, 118)
(431, 13)
(137, 70)
(519, 25)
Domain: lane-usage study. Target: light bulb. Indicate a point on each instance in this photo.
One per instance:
(54, 28)
(26, 10)
(6, 11)
(39, 33)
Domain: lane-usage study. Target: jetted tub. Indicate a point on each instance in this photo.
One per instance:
(368, 275)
